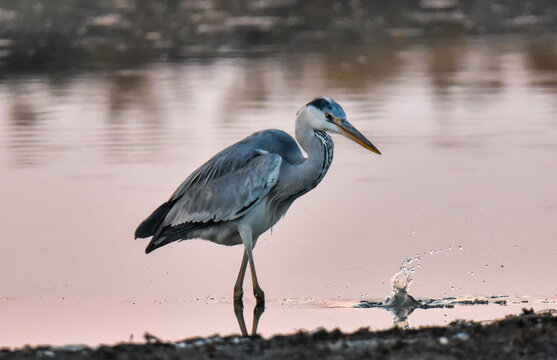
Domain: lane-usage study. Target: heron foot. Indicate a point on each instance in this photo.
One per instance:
(259, 295)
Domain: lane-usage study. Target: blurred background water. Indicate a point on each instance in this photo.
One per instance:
(105, 108)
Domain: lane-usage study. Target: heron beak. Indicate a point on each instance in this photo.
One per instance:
(353, 134)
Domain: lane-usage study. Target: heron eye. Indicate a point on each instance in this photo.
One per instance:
(329, 117)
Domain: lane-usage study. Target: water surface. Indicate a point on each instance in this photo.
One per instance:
(468, 132)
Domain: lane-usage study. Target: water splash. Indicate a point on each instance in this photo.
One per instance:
(400, 303)
(400, 283)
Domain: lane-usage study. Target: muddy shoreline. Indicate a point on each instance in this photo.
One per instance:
(527, 336)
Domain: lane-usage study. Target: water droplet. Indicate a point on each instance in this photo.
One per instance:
(452, 288)
(459, 247)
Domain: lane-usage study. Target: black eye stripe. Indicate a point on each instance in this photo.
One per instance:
(328, 106)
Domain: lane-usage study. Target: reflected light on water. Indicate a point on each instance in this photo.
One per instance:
(469, 138)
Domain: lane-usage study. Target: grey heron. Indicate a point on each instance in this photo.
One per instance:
(246, 188)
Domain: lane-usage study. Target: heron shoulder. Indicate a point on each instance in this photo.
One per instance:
(239, 154)
(235, 179)
(277, 142)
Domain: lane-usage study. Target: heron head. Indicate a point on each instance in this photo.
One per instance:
(326, 114)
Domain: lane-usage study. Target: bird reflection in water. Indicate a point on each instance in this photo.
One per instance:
(258, 310)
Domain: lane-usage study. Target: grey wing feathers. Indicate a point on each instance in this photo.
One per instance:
(228, 196)
(228, 160)
(237, 156)
(226, 186)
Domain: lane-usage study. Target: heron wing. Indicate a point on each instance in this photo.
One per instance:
(225, 187)
(239, 154)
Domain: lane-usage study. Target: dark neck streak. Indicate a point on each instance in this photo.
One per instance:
(327, 146)
(326, 151)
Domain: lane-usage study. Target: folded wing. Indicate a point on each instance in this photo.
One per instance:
(222, 189)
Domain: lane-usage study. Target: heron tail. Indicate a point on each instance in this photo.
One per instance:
(169, 234)
(150, 225)
(157, 243)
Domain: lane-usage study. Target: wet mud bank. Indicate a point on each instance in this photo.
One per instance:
(527, 336)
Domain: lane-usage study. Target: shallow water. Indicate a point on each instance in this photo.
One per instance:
(468, 132)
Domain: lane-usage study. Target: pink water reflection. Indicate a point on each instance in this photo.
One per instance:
(469, 160)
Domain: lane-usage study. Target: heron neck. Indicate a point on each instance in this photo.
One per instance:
(305, 136)
(319, 149)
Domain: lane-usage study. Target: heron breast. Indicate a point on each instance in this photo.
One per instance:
(260, 218)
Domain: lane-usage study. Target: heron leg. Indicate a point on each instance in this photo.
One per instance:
(257, 291)
(238, 288)
(247, 239)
